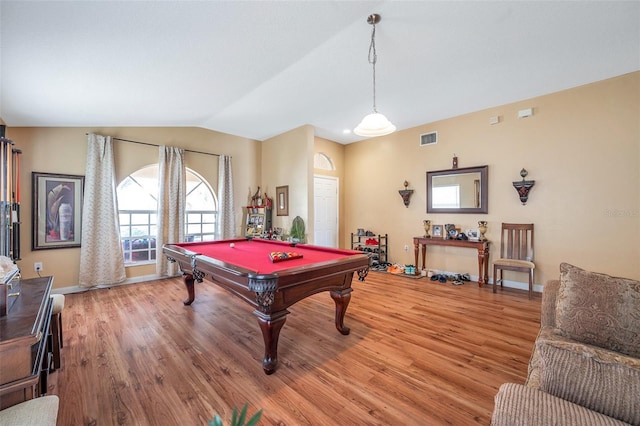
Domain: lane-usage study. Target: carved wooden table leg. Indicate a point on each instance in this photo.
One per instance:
(486, 263)
(483, 265)
(342, 299)
(191, 291)
(271, 324)
(480, 267)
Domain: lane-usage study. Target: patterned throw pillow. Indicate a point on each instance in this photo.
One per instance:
(599, 309)
(601, 380)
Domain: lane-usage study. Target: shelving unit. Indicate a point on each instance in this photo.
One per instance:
(378, 250)
(258, 221)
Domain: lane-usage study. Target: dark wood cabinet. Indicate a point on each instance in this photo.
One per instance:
(24, 353)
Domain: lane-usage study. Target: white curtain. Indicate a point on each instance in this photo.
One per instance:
(101, 258)
(226, 218)
(171, 204)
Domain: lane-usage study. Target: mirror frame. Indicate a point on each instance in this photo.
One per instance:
(484, 189)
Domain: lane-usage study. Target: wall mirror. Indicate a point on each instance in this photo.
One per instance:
(461, 190)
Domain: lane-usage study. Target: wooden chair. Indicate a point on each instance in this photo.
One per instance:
(516, 252)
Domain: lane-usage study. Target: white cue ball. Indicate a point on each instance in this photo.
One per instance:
(232, 245)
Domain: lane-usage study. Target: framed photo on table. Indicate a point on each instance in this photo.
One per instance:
(473, 234)
(57, 210)
(436, 230)
(282, 200)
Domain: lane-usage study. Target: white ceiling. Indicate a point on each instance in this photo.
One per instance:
(260, 68)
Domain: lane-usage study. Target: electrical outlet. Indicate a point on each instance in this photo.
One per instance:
(406, 247)
(37, 266)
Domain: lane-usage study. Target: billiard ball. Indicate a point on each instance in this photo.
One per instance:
(232, 245)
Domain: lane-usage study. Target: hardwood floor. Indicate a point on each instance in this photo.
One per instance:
(419, 353)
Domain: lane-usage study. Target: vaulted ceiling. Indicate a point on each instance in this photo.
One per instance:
(260, 68)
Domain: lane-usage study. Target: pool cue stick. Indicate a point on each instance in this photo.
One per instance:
(17, 154)
(5, 235)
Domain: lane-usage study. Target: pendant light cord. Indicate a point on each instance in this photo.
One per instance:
(374, 124)
(373, 58)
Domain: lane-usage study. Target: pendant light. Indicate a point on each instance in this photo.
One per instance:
(374, 124)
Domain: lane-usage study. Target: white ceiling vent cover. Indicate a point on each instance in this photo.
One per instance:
(429, 138)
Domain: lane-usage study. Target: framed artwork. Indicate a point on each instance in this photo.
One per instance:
(282, 200)
(57, 210)
(437, 231)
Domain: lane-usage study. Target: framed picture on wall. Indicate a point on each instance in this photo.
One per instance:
(57, 210)
(282, 200)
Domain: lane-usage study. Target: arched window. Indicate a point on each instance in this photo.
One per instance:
(138, 204)
(322, 161)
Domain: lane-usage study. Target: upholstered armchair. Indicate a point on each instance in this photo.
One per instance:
(585, 365)
(42, 411)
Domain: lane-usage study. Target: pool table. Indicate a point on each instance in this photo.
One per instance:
(245, 268)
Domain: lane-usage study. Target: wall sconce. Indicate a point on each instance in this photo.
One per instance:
(524, 186)
(406, 194)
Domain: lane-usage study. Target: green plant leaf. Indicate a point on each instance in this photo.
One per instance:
(234, 417)
(243, 415)
(254, 420)
(298, 228)
(238, 420)
(217, 421)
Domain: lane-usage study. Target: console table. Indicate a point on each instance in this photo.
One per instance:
(481, 246)
(24, 354)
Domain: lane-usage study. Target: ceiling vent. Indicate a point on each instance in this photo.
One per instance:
(429, 138)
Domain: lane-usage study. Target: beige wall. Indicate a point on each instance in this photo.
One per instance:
(287, 160)
(63, 150)
(581, 146)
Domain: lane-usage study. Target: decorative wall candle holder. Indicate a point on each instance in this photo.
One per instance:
(524, 186)
(406, 194)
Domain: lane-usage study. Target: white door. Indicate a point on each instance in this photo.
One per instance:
(325, 202)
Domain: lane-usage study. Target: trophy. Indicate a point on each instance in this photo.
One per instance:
(427, 225)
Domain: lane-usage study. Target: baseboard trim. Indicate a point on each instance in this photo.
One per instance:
(128, 281)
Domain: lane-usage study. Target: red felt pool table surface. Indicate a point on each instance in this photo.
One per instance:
(254, 254)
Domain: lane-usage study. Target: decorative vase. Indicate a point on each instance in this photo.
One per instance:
(427, 225)
(482, 227)
(64, 215)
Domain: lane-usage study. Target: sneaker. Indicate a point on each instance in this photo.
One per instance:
(395, 269)
(442, 279)
(457, 282)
